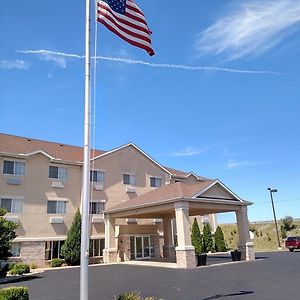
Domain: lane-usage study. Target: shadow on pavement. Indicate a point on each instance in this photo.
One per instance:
(22, 279)
(240, 293)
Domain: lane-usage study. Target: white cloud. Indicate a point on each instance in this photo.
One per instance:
(231, 164)
(50, 55)
(188, 151)
(13, 64)
(252, 28)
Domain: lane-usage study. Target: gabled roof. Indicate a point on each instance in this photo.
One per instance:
(164, 194)
(11, 144)
(139, 150)
(183, 174)
(172, 192)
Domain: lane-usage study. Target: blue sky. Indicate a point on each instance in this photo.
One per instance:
(220, 97)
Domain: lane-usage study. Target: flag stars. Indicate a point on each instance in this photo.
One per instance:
(118, 6)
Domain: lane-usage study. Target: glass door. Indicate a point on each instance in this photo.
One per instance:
(141, 247)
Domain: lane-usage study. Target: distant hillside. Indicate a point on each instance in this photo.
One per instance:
(264, 235)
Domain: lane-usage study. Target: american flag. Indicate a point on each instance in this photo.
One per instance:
(125, 19)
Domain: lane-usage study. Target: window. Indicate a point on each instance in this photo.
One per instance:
(15, 249)
(53, 249)
(96, 207)
(57, 172)
(97, 247)
(155, 182)
(14, 167)
(12, 205)
(129, 179)
(97, 176)
(56, 207)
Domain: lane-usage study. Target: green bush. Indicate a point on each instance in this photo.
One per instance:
(208, 243)
(56, 262)
(11, 265)
(20, 269)
(71, 248)
(196, 238)
(129, 296)
(14, 293)
(219, 240)
(33, 266)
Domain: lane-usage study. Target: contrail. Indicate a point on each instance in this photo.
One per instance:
(152, 65)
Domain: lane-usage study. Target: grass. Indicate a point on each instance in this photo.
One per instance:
(264, 235)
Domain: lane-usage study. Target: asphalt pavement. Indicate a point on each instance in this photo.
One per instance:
(273, 276)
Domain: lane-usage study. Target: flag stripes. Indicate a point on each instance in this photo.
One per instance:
(131, 26)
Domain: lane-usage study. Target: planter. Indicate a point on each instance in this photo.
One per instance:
(201, 259)
(236, 255)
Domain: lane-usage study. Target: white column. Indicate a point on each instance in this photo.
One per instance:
(185, 252)
(110, 251)
(245, 243)
(168, 248)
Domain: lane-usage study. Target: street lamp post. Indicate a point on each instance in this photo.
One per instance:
(271, 195)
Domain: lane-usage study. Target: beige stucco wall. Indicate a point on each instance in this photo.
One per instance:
(36, 188)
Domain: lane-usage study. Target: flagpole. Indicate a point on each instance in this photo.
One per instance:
(84, 248)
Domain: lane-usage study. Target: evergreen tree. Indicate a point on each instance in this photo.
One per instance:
(7, 234)
(208, 244)
(71, 248)
(219, 240)
(197, 238)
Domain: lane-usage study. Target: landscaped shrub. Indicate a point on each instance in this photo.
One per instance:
(11, 265)
(129, 296)
(208, 244)
(219, 240)
(71, 248)
(33, 266)
(56, 262)
(14, 293)
(196, 238)
(20, 269)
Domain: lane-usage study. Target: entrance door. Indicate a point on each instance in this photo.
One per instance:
(141, 247)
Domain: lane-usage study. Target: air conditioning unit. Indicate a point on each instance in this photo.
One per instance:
(14, 219)
(130, 189)
(98, 187)
(14, 181)
(57, 184)
(97, 219)
(56, 220)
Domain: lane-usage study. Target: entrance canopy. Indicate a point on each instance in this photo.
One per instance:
(180, 201)
(206, 197)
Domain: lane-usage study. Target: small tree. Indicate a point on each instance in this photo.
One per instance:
(197, 238)
(287, 223)
(219, 240)
(208, 243)
(71, 248)
(7, 234)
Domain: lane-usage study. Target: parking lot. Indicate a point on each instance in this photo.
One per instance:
(272, 276)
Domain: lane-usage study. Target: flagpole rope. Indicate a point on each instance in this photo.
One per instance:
(94, 101)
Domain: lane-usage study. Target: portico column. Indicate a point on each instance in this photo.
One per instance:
(245, 243)
(168, 247)
(110, 252)
(185, 252)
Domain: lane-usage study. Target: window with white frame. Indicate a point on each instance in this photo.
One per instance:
(14, 167)
(56, 207)
(57, 172)
(53, 249)
(96, 207)
(155, 181)
(97, 176)
(15, 249)
(129, 179)
(11, 205)
(97, 246)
